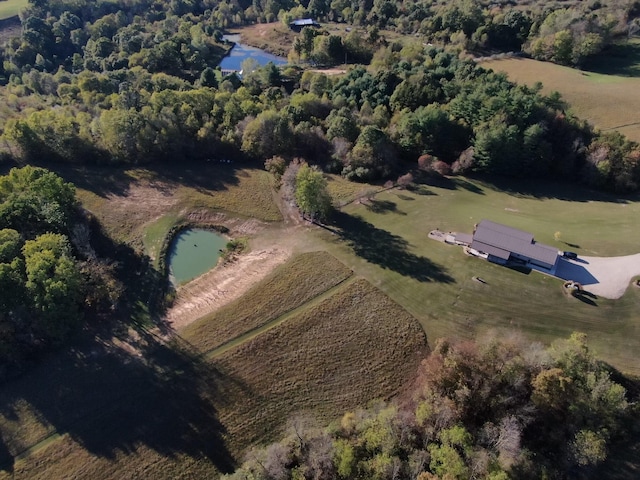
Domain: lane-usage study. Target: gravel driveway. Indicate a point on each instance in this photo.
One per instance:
(606, 277)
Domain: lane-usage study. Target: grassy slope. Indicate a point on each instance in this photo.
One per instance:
(10, 8)
(127, 201)
(353, 347)
(103, 411)
(434, 281)
(606, 101)
(290, 286)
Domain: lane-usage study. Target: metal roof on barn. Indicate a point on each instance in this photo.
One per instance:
(501, 240)
(304, 22)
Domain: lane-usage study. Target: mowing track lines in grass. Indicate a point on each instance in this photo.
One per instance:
(289, 286)
(253, 333)
(354, 346)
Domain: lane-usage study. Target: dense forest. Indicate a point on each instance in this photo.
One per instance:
(137, 83)
(492, 409)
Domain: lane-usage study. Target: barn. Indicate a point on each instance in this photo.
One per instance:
(506, 245)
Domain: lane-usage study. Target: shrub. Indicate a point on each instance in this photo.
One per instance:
(404, 180)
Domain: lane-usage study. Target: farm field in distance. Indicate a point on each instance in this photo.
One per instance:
(10, 8)
(607, 101)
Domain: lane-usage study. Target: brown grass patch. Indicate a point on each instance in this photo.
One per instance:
(354, 347)
(273, 37)
(291, 285)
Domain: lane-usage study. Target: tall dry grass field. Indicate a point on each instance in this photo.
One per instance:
(290, 286)
(355, 346)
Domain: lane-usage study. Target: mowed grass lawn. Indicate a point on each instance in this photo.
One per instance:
(606, 101)
(387, 244)
(11, 8)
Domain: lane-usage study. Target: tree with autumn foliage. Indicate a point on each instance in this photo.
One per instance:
(490, 409)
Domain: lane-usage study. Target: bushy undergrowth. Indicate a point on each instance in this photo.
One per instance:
(494, 409)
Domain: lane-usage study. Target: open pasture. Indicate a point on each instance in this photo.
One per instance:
(139, 206)
(11, 8)
(609, 102)
(386, 242)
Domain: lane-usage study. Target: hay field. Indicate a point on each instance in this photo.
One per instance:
(609, 102)
(355, 346)
(293, 284)
(137, 407)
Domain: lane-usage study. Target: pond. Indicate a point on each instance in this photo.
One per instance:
(239, 53)
(194, 252)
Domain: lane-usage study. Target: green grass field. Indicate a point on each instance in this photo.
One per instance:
(609, 102)
(387, 244)
(11, 8)
(139, 206)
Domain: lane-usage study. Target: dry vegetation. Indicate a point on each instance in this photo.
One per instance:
(606, 101)
(354, 347)
(127, 201)
(141, 409)
(290, 286)
(271, 37)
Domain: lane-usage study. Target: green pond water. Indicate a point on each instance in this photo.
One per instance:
(194, 252)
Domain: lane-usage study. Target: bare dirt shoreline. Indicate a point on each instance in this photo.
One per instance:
(223, 284)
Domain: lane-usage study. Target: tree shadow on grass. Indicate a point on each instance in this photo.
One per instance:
(382, 206)
(104, 180)
(387, 250)
(542, 189)
(113, 400)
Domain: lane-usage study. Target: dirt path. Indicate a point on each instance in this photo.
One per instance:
(223, 285)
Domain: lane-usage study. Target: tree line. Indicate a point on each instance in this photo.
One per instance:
(58, 271)
(554, 31)
(491, 409)
(413, 102)
(135, 82)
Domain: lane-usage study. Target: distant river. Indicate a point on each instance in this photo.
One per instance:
(241, 52)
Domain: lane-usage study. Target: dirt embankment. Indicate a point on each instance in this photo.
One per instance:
(223, 285)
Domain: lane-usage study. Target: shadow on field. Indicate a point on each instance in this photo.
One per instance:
(117, 180)
(585, 298)
(541, 189)
(622, 59)
(449, 183)
(387, 250)
(113, 397)
(382, 206)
